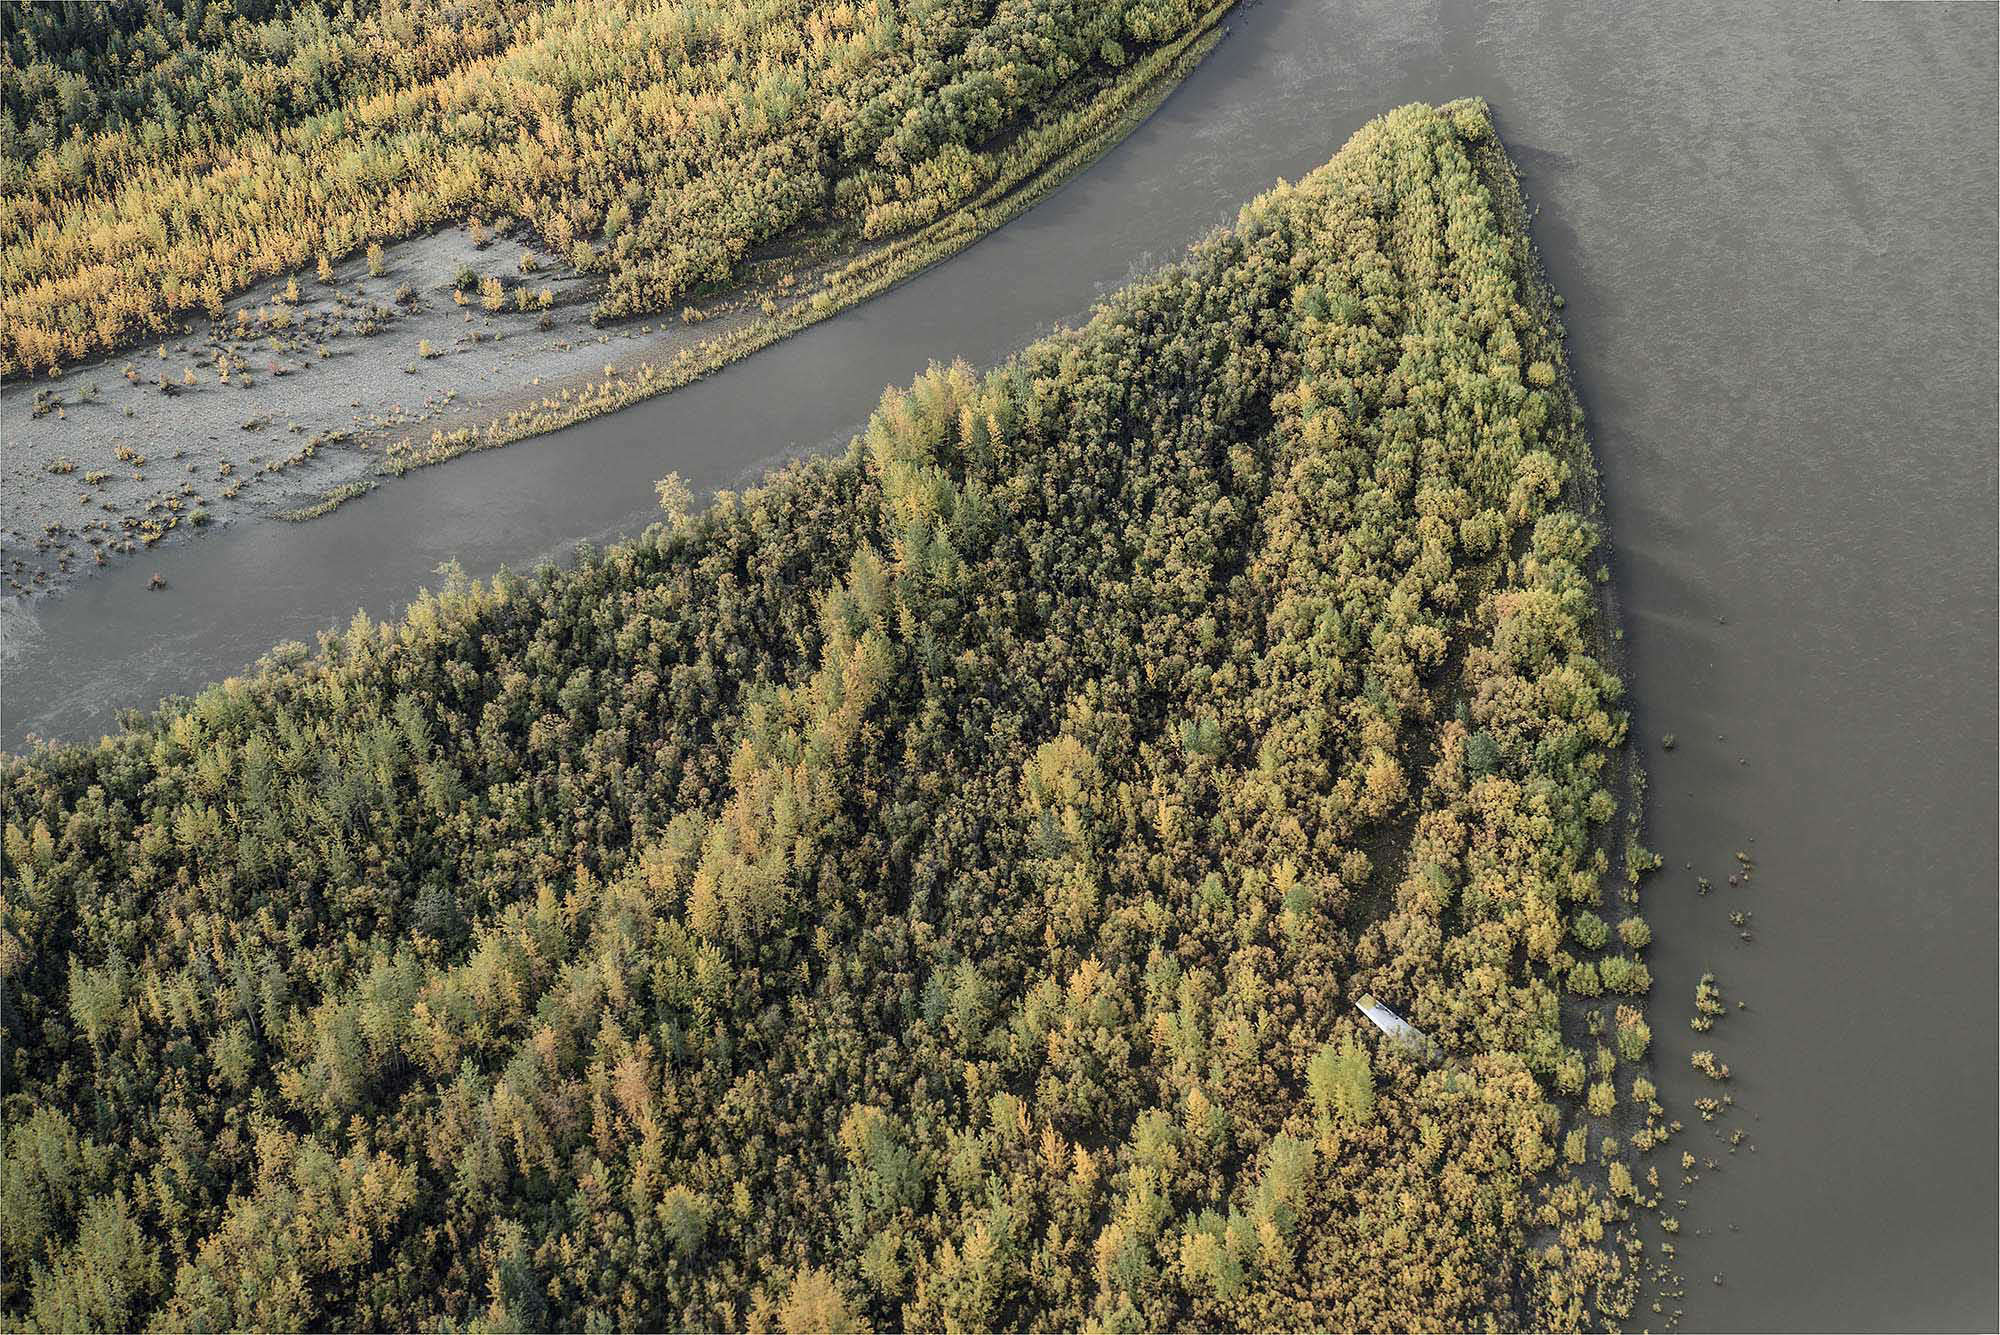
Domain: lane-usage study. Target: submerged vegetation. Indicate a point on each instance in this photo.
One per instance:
(159, 160)
(927, 891)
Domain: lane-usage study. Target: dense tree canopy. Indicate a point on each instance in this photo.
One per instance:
(927, 891)
(156, 158)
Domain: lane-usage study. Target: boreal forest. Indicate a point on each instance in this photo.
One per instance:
(930, 890)
(158, 158)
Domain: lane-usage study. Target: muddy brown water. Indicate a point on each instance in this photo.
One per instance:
(1776, 234)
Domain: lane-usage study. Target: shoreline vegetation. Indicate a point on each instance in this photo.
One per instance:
(655, 146)
(928, 890)
(946, 129)
(1043, 159)
(332, 499)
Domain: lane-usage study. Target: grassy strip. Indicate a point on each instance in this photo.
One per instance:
(328, 502)
(1042, 159)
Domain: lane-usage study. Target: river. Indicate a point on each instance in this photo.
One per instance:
(1775, 228)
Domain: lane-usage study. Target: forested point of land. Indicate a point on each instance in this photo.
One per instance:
(927, 891)
(157, 158)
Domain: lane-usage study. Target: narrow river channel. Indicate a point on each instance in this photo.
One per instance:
(1775, 228)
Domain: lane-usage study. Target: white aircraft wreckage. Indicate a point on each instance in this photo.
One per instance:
(1395, 1026)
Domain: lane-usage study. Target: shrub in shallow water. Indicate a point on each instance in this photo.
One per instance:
(1633, 1034)
(1621, 973)
(1590, 931)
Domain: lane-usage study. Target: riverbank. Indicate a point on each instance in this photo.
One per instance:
(310, 388)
